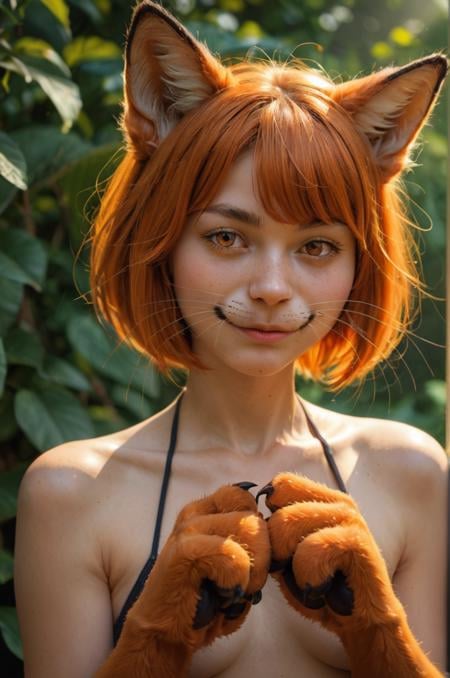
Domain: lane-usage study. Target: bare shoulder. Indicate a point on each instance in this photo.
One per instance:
(395, 454)
(410, 449)
(75, 472)
(63, 477)
(71, 501)
(59, 494)
(404, 456)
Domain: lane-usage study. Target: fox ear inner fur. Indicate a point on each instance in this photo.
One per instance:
(167, 74)
(390, 108)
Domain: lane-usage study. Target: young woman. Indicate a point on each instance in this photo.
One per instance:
(253, 228)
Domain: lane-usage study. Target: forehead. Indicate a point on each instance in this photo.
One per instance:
(300, 163)
(240, 182)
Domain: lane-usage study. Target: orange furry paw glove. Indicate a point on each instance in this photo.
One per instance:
(210, 571)
(330, 569)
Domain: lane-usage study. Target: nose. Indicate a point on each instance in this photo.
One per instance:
(270, 281)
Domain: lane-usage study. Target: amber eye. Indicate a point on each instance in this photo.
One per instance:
(318, 248)
(224, 238)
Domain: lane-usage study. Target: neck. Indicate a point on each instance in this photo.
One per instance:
(243, 413)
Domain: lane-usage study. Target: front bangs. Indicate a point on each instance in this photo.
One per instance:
(310, 166)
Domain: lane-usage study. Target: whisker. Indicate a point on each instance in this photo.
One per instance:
(191, 325)
(176, 321)
(339, 334)
(410, 336)
(395, 351)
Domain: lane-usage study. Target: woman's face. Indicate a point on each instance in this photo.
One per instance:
(257, 293)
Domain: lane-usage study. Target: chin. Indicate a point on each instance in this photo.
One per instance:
(251, 367)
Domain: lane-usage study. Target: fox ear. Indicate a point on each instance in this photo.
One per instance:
(390, 107)
(167, 73)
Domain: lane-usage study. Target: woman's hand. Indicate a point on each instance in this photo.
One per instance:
(330, 569)
(205, 579)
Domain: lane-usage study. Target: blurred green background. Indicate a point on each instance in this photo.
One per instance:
(62, 377)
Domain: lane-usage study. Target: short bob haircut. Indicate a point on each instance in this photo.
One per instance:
(311, 163)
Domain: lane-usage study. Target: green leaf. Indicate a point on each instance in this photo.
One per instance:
(7, 193)
(9, 489)
(23, 257)
(12, 163)
(250, 30)
(62, 372)
(89, 8)
(11, 294)
(401, 36)
(9, 627)
(51, 417)
(39, 21)
(3, 367)
(436, 390)
(381, 50)
(79, 182)
(41, 48)
(9, 269)
(90, 48)
(59, 9)
(24, 348)
(6, 566)
(63, 93)
(106, 420)
(114, 360)
(132, 401)
(48, 151)
(8, 425)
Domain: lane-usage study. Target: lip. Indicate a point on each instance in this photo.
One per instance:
(263, 336)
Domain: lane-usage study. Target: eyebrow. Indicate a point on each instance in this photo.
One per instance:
(239, 214)
(236, 213)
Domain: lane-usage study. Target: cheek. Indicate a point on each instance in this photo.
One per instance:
(335, 286)
(194, 279)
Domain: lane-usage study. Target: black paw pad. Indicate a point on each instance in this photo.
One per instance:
(234, 611)
(333, 592)
(340, 596)
(214, 600)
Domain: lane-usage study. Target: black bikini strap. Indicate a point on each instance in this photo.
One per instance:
(326, 448)
(165, 481)
(143, 575)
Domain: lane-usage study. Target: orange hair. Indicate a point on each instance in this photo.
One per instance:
(311, 163)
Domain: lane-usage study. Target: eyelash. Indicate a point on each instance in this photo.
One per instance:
(335, 247)
(209, 238)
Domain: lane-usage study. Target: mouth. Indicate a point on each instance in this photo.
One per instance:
(262, 330)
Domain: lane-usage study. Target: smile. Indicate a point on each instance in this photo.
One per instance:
(263, 335)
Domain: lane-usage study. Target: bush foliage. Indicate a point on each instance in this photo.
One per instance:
(62, 375)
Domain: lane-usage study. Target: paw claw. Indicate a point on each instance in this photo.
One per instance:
(267, 489)
(245, 485)
(254, 598)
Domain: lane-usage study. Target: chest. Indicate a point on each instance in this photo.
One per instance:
(274, 635)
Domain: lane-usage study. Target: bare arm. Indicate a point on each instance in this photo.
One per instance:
(420, 580)
(63, 600)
